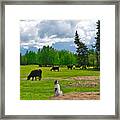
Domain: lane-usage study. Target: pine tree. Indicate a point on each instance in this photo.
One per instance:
(21, 59)
(97, 45)
(82, 51)
(26, 58)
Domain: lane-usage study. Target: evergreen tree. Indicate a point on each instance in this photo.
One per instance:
(23, 60)
(97, 45)
(91, 57)
(82, 51)
(39, 62)
(26, 58)
(20, 59)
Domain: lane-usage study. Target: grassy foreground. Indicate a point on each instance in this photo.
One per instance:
(44, 89)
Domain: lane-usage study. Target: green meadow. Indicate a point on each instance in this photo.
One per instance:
(68, 80)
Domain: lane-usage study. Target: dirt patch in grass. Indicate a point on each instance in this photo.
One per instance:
(78, 96)
(86, 78)
(91, 83)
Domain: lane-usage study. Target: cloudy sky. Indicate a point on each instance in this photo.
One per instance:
(60, 34)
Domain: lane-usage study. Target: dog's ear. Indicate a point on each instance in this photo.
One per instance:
(55, 82)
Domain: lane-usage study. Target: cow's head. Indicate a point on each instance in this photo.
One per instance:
(28, 78)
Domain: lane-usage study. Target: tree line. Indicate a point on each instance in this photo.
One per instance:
(49, 56)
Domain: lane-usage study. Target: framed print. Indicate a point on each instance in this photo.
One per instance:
(60, 60)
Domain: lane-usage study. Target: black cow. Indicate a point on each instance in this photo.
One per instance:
(54, 68)
(40, 65)
(34, 74)
(70, 66)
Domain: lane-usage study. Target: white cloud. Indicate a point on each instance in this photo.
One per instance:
(53, 36)
(25, 47)
(53, 31)
(44, 42)
(86, 30)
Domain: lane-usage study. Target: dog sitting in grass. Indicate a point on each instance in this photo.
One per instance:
(57, 90)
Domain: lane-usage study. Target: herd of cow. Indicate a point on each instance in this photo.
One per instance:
(38, 73)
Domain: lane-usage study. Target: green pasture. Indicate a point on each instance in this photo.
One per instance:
(44, 89)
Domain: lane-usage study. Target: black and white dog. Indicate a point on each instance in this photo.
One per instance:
(57, 90)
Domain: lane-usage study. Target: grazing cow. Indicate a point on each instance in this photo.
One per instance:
(40, 65)
(54, 68)
(57, 90)
(34, 74)
(70, 66)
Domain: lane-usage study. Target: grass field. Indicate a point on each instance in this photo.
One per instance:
(70, 82)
